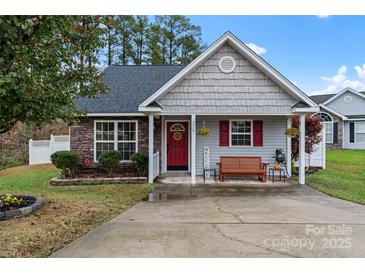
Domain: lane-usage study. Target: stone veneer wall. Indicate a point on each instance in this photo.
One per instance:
(82, 134)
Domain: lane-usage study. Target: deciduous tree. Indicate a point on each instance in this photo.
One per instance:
(313, 128)
(45, 63)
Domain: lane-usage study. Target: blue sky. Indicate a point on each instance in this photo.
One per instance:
(319, 54)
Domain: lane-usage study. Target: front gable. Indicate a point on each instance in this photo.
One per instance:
(253, 86)
(348, 103)
(244, 90)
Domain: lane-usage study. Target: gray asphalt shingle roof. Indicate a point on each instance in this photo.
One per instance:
(320, 99)
(129, 86)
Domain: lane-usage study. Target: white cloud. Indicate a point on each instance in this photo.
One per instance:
(322, 16)
(259, 50)
(339, 81)
(338, 78)
(361, 71)
(342, 70)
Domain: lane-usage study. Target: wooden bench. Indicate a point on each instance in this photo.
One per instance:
(242, 166)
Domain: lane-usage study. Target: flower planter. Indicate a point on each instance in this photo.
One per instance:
(22, 211)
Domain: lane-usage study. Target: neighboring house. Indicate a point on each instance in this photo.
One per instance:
(344, 117)
(246, 104)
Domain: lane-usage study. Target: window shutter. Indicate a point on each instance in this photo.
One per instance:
(223, 133)
(257, 134)
(352, 132)
(335, 132)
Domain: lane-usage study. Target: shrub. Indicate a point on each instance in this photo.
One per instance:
(109, 160)
(66, 160)
(140, 160)
(11, 162)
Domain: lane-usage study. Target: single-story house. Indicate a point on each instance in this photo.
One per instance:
(344, 117)
(244, 103)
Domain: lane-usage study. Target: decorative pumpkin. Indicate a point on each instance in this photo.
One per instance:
(277, 166)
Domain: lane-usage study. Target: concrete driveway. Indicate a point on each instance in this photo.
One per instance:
(285, 221)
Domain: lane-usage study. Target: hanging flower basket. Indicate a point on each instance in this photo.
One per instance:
(292, 132)
(204, 132)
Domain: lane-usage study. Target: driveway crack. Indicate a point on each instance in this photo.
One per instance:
(218, 206)
(233, 239)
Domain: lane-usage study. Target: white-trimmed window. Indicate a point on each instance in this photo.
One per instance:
(240, 132)
(326, 119)
(329, 132)
(360, 132)
(116, 135)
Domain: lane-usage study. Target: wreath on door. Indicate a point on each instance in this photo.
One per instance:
(177, 135)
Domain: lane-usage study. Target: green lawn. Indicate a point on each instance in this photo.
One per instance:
(344, 176)
(70, 211)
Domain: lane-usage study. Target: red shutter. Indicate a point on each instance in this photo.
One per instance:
(257, 134)
(224, 133)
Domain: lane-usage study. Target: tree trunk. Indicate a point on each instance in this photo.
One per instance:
(124, 57)
(170, 49)
(109, 48)
(140, 51)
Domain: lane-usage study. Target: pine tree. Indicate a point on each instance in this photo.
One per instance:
(140, 35)
(110, 38)
(183, 39)
(124, 29)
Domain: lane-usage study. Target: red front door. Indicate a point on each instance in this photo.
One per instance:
(177, 145)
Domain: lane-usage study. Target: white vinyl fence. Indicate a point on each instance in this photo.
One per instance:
(318, 157)
(156, 165)
(40, 151)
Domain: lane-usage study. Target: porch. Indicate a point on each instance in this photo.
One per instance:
(184, 178)
(204, 151)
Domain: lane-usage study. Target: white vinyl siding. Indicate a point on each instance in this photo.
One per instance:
(356, 107)
(273, 135)
(355, 144)
(116, 135)
(360, 132)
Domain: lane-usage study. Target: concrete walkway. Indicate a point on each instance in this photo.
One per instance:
(235, 221)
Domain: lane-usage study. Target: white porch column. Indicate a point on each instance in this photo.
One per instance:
(163, 145)
(302, 150)
(150, 148)
(288, 147)
(193, 150)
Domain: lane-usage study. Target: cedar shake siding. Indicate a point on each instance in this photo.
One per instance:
(245, 90)
(82, 134)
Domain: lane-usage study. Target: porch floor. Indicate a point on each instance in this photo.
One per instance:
(184, 178)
